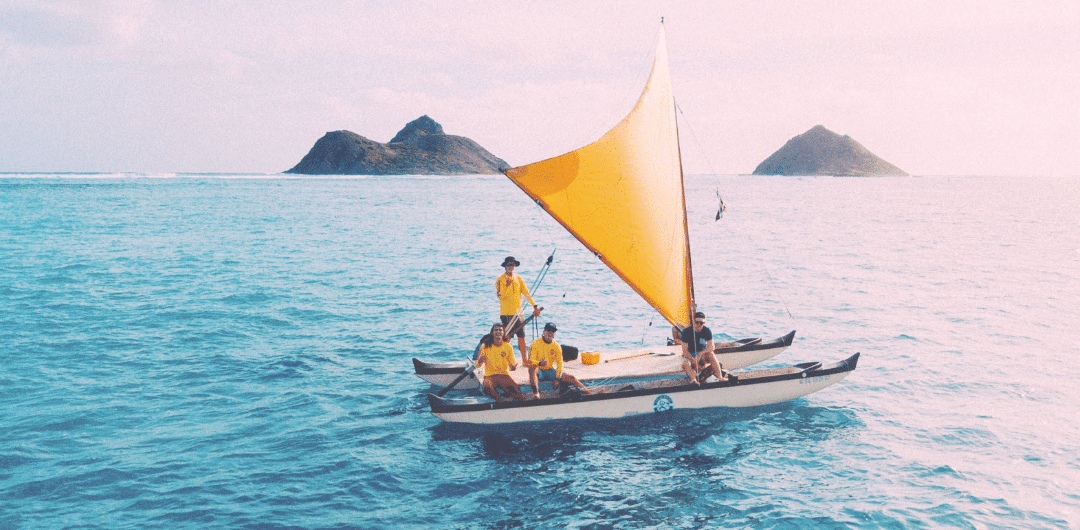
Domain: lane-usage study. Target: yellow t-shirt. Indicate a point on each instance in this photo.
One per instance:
(552, 353)
(499, 359)
(510, 295)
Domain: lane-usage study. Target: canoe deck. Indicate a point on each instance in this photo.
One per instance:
(661, 361)
(616, 366)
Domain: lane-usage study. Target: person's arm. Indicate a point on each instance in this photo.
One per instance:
(525, 292)
(689, 363)
(558, 361)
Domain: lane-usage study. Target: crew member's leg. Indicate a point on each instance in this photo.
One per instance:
(533, 381)
(688, 367)
(507, 383)
(574, 381)
(489, 388)
(710, 357)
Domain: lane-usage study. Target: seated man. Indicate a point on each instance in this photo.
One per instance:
(496, 355)
(698, 350)
(545, 363)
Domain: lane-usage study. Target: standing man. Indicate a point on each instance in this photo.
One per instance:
(510, 287)
(545, 363)
(698, 349)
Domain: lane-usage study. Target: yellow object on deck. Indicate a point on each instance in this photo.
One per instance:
(590, 357)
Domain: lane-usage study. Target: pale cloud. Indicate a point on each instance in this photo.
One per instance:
(99, 27)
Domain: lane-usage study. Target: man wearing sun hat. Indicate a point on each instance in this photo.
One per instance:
(510, 287)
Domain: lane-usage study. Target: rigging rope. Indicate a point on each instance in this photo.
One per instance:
(708, 163)
(644, 330)
(761, 263)
(722, 207)
(539, 280)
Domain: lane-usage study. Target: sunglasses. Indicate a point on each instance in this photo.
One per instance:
(699, 321)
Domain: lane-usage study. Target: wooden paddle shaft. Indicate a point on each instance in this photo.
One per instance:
(628, 357)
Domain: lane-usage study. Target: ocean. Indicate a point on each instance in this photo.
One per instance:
(234, 351)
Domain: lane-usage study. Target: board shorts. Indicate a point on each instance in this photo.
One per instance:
(519, 327)
(546, 375)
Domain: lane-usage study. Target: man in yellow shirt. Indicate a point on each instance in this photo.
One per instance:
(510, 287)
(545, 363)
(496, 356)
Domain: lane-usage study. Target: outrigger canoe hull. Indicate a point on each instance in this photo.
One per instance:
(631, 366)
(754, 388)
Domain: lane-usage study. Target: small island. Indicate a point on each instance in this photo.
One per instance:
(820, 151)
(421, 148)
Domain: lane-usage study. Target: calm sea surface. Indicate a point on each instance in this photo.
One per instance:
(222, 351)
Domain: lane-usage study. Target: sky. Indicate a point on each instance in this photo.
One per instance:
(144, 86)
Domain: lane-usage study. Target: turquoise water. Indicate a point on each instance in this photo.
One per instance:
(234, 352)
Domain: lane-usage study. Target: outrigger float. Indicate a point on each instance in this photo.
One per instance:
(622, 197)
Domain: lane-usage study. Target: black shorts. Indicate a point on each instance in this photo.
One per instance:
(519, 326)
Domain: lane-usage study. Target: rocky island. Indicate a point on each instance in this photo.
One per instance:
(820, 151)
(421, 148)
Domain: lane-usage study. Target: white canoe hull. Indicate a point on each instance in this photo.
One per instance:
(752, 389)
(619, 366)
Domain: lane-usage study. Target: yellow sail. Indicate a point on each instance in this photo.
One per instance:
(622, 197)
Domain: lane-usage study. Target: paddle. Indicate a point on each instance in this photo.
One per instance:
(511, 326)
(468, 371)
(659, 354)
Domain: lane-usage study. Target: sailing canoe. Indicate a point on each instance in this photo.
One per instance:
(750, 389)
(622, 198)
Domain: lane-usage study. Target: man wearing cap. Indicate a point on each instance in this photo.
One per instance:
(545, 363)
(698, 349)
(510, 287)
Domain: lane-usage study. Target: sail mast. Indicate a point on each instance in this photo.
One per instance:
(692, 307)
